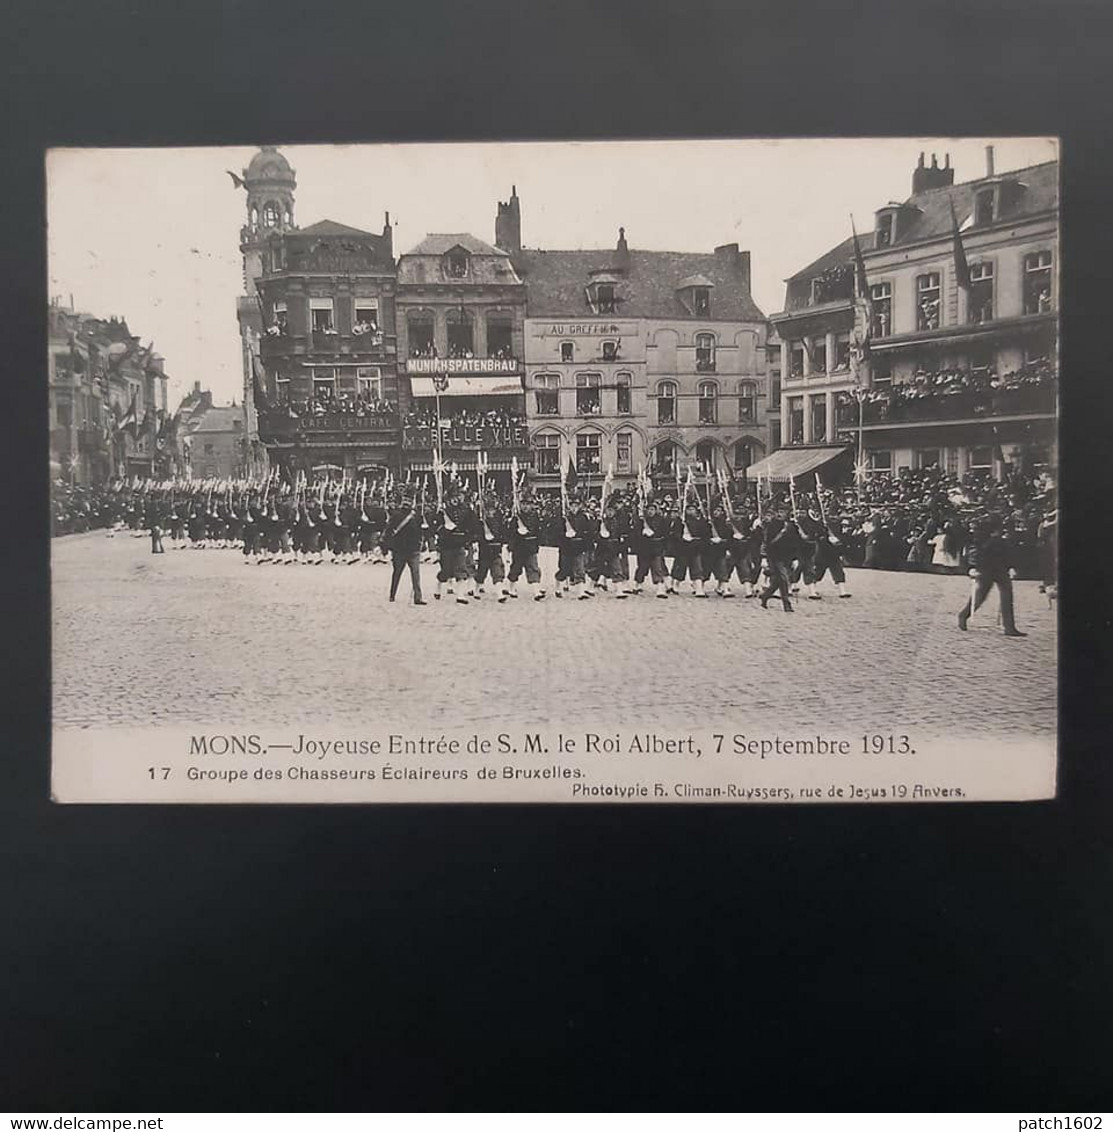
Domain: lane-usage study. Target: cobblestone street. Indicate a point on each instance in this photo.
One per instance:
(198, 637)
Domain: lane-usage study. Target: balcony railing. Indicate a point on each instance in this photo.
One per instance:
(899, 407)
(321, 342)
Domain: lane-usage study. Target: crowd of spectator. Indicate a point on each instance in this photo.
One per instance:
(353, 404)
(464, 418)
(953, 392)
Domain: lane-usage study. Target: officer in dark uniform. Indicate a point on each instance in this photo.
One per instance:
(991, 558)
(781, 545)
(403, 537)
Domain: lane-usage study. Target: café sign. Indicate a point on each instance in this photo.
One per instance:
(466, 436)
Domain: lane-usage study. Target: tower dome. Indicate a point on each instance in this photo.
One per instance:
(270, 184)
(270, 167)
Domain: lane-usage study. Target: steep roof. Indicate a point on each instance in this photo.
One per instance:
(798, 288)
(218, 418)
(332, 228)
(1037, 191)
(556, 283)
(438, 243)
(424, 264)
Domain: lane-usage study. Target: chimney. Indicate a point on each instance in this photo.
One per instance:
(508, 223)
(622, 251)
(735, 262)
(197, 388)
(388, 235)
(925, 178)
(989, 161)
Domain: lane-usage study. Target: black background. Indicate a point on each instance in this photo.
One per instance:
(937, 957)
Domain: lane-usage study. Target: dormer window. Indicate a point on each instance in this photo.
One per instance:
(885, 230)
(984, 206)
(604, 298)
(701, 300)
(456, 264)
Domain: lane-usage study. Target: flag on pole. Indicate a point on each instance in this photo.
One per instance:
(962, 268)
(259, 384)
(861, 286)
(572, 478)
(130, 420)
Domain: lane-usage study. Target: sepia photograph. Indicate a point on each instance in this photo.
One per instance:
(635, 471)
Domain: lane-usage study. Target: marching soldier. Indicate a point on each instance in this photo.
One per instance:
(717, 550)
(455, 532)
(651, 542)
(525, 538)
(690, 531)
(825, 555)
(492, 535)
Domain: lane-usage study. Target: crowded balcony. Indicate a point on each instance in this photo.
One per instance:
(953, 394)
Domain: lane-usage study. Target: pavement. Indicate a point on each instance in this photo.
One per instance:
(196, 636)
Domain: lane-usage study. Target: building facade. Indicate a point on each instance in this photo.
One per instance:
(962, 330)
(460, 319)
(213, 437)
(325, 396)
(643, 359)
(107, 399)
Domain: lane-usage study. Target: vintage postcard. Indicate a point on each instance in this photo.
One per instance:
(629, 472)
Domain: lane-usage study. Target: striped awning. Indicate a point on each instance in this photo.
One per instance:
(475, 385)
(789, 463)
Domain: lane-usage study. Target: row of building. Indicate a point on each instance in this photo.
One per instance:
(930, 340)
(943, 352)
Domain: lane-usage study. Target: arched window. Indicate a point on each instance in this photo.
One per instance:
(666, 403)
(705, 454)
(254, 217)
(547, 391)
(289, 219)
(664, 458)
(270, 215)
(708, 402)
(622, 384)
(546, 453)
(589, 452)
(743, 455)
(747, 402)
(461, 341)
(705, 353)
(567, 351)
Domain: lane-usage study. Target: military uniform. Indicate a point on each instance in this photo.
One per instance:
(403, 536)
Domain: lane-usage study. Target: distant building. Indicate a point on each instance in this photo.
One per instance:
(213, 436)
